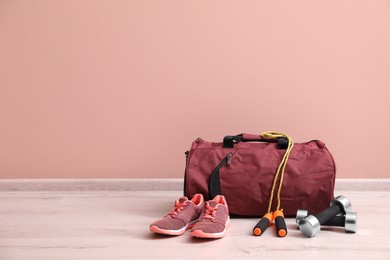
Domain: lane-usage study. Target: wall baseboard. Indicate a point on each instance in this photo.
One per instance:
(90, 184)
(174, 184)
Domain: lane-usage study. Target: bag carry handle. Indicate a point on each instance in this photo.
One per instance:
(230, 140)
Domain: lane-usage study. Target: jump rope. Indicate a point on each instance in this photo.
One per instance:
(277, 215)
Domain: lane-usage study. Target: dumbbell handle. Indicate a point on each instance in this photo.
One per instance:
(337, 221)
(327, 214)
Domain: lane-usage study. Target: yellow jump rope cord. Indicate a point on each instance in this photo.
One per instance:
(281, 167)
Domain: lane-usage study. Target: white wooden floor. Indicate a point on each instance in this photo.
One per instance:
(114, 225)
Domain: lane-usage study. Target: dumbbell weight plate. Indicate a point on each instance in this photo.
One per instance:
(301, 213)
(343, 202)
(351, 222)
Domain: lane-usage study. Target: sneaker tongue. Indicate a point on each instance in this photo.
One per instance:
(183, 200)
(212, 203)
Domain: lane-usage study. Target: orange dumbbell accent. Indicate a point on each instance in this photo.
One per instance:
(281, 228)
(263, 224)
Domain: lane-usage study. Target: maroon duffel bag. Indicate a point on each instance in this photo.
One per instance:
(242, 168)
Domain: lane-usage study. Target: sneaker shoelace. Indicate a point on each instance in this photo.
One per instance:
(177, 208)
(210, 212)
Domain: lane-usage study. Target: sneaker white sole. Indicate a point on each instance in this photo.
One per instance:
(172, 232)
(200, 234)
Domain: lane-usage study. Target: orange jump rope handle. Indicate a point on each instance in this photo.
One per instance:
(281, 228)
(263, 224)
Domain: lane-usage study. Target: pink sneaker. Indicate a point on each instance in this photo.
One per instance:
(182, 217)
(214, 222)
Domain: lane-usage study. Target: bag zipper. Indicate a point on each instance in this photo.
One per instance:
(187, 153)
(229, 159)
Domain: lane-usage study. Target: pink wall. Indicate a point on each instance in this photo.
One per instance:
(95, 89)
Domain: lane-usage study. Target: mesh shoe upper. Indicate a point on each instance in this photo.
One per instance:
(215, 216)
(183, 213)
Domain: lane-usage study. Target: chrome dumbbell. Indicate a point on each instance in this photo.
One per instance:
(348, 221)
(311, 225)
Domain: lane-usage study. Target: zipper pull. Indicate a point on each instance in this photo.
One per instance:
(229, 159)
